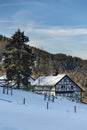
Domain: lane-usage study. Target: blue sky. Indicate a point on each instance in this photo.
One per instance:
(57, 26)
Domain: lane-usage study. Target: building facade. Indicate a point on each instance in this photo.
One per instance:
(60, 85)
(68, 88)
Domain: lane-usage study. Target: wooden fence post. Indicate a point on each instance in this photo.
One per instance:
(45, 96)
(23, 100)
(3, 89)
(74, 109)
(47, 105)
(7, 89)
(11, 91)
(53, 98)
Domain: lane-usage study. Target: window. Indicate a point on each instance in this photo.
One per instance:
(63, 87)
(65, 80)
(71, 87)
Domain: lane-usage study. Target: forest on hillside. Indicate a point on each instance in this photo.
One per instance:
(52, 64)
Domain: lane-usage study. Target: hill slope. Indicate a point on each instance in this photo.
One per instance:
(47, 64)
(35, 116)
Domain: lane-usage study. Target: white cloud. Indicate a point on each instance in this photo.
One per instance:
(80, 53)
(61, 40)
(5, 21)
(61, 31)
(7, 4)
(69, 41)
(13, 3)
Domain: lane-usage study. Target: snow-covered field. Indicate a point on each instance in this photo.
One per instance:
(35, 116)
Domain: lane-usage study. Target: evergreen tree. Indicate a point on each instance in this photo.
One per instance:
(19, 59)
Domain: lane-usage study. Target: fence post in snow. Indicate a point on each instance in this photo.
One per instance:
(53, 98)
(44, 96)
(49, 98)
(23, 100)
(11, 91)
(74, 109)
(47, 105)
(7, 89)
(3, 89)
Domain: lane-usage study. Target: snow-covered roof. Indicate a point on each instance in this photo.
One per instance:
(31, 80)
(48, 80)
(3, 77)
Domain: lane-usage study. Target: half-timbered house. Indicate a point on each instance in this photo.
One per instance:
(60, 85)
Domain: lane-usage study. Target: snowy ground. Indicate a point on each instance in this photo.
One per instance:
(35, 116)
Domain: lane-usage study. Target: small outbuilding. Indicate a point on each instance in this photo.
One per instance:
(3, 80)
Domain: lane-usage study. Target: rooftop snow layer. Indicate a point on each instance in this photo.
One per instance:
(3, 77)
(48, 80)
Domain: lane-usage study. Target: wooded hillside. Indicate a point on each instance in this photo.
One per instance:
(47, 64)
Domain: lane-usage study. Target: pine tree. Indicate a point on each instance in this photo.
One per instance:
(18, 59)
